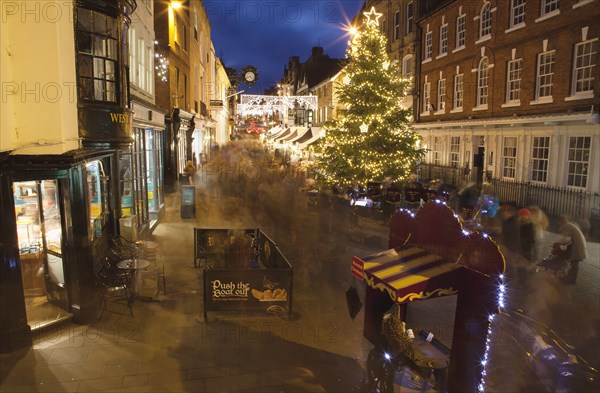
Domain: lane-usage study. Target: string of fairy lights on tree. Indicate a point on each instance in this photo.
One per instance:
(371, 140)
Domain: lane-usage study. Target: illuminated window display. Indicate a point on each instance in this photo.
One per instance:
(97, 202)
(133, 182)
(39, 231)
(154, 175)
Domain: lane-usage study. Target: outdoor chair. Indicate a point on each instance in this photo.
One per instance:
(150, 251)
(115, 284)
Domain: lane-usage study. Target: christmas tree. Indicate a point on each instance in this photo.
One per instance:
(371, 140)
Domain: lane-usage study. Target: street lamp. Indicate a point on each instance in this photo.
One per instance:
(176, 4)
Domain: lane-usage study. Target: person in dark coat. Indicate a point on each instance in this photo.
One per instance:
(527, 231)
(510, 228)
(526, 247)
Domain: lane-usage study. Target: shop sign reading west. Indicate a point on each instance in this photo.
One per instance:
(100, 124)
(119, 117)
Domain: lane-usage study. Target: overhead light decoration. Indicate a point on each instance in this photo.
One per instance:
(161, 64)
(373, 16)
(364, 128)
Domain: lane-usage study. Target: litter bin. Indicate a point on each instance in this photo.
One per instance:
(188, 201)
(128, 228)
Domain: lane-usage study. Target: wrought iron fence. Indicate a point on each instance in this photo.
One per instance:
(584, 206)
(553, 200)
(448, 175)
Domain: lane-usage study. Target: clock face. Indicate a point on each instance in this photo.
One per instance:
(249, 76)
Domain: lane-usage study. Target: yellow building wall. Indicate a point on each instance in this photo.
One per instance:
(38, 106)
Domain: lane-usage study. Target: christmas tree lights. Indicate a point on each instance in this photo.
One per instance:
(371, 140)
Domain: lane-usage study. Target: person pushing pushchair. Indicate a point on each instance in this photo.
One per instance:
(559, 260)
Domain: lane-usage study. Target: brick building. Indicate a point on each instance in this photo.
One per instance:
(509, 90)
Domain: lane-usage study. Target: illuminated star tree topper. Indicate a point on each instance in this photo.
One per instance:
(371, 139)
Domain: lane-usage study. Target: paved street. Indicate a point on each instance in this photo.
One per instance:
(168, 347)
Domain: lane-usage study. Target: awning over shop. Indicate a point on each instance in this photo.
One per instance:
(292, 135)
(283, 134)
(408, 273)
(274, 131)
(315, 135)
(300, 131)
(304, 137)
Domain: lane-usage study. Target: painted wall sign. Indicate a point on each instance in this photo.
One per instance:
(105, 125)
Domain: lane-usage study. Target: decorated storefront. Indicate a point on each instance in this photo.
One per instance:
(140, 169)
(59, 171)
(183, 126)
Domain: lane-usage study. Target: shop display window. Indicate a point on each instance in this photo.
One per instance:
(133, 180)
(39, 233)
(139, 175)
(28, 218)
(97, 202)
(153, 160)
(126, 184)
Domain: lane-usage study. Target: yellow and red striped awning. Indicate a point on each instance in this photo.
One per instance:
(408, 273)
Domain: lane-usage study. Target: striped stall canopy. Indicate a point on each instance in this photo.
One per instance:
(409, 273)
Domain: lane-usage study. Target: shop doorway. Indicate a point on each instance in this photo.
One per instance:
(39, 215)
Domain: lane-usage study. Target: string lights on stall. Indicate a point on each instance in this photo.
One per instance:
(484, 361)
(501, 296)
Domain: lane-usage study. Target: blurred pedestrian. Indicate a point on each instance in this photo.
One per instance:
(526, 246)
(189, 171)
(467, 201)
(413, 192)
(540, 222)
(509, 238)
(487, 208)
(572, 233)
(510, 227)
(527, 233)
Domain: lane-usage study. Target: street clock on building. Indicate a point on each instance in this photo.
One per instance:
(249, 74)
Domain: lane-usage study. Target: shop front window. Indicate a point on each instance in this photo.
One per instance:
(39, 235)
(139, 175)
(126, 184)
(152, 170)
(97, 201)
(133, 181)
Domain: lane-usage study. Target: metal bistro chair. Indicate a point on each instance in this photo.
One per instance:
(207, 251)
(115, 285)
(151, 252)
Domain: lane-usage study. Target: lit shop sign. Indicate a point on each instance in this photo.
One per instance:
(119, 117)
(98, 124)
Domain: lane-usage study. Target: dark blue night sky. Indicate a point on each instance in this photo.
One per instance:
(266, 33)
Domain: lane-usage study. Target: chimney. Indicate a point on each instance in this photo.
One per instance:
(317, 51)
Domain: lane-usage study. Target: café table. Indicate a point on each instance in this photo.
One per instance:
(134, 265)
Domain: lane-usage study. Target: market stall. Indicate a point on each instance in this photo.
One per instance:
(243, 269)
(429, 256)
